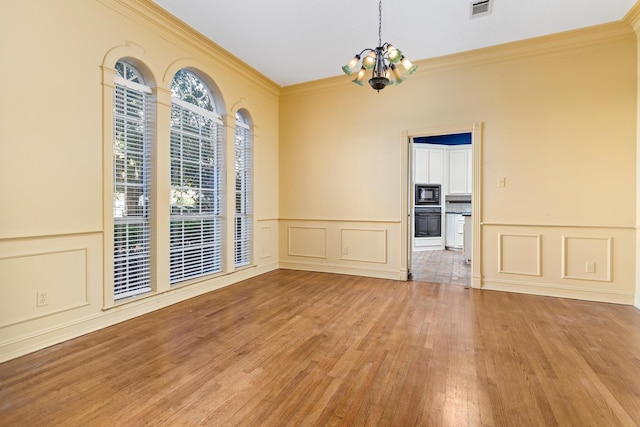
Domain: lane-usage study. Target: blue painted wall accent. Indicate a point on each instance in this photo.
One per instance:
(454, 139)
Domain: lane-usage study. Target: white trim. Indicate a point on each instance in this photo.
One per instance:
(501, 252)
(558, 291)
(131, 85)
(189, 106)
(323, 267)
(565, 258)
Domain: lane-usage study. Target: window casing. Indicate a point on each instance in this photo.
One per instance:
(243, 227)
(131, 183)
(196, 220)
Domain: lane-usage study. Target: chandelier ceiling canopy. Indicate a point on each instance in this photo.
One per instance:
(382, 61)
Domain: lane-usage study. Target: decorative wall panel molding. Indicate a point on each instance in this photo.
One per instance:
(587, 258)
(308, 241)
(266, 241)
(520, 254)
(62, 275)
(364, 245)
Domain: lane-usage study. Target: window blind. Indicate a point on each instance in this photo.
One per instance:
(131, 180)
(243, 194)
(196, 192)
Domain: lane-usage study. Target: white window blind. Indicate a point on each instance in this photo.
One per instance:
(131, 180)
(196, 191)
(243, 192)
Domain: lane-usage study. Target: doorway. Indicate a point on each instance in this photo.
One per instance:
(449, 157)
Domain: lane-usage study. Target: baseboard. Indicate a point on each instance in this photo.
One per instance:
(40, 339)
(342, 269)
(552, 290)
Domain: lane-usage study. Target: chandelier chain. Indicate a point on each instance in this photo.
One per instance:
(380, 23)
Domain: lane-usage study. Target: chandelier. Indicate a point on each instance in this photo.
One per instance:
(382, 61)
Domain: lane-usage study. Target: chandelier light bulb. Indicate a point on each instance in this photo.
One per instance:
(388, 76)
(394, 54)
(396, 74)
(360, 76)
(348, 69)
(408, 65)
(369, 61)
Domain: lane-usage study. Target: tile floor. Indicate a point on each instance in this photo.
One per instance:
(447, 267)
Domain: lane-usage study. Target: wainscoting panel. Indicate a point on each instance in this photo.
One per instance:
(363, 248)
(308, 241)
(266, 241)
(364, 245)
(589, 263)
(587, 258)
(520, 254)
(62, 276)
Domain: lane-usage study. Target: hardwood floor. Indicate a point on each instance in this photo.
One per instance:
(303, 349)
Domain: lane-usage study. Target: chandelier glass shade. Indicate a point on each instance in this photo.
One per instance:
(383, 62)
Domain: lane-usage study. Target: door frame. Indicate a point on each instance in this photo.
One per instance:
(476, 207)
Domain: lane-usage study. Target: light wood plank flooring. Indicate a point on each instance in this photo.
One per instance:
(293, 348)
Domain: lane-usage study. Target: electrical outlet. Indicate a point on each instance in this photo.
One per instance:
(43, 298)
(502, 181)
(590, 267)
(345, 250)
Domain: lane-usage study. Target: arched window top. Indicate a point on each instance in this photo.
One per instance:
(243, 120)
(188, 87)
(128, 72)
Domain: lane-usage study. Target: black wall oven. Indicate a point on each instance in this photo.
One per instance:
(427, 194)
(428, 221)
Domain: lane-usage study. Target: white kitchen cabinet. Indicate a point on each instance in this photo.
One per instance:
(459, 173)
(427, 244)
(470, 171)
(459, 240)
(436, 166)
(450, 230)
(428, 164)
(421, 165)
(468, 232)
(454, 231)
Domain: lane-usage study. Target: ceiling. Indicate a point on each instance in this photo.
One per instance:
(295, 41)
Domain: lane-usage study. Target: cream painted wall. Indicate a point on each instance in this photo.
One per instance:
(559, 123)
(52, 131)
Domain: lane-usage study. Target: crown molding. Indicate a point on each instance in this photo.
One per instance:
(633, 17)
(148, 14)
(539, 46)
(553, 44)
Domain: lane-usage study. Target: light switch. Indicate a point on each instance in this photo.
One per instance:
(502, 181)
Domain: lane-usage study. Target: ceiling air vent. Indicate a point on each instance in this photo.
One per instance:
(480, 8)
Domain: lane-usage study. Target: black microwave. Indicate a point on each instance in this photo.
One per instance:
(427, 194)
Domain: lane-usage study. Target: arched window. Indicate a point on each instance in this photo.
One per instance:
(131, 183)
(196, 180)
(244, 191)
